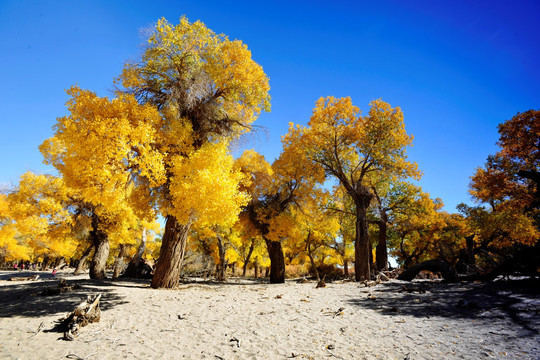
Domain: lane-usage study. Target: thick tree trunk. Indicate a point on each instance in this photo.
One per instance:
(101, 243)
(447, 272)
(171, 256)
(119, 263)
(277, 262)
(134, 263)
(381, 252)
(361, 243)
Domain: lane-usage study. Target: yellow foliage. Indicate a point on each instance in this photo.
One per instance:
(194, 66)
(204, 187)
(41, 221)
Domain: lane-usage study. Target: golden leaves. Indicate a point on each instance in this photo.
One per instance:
(204, 187)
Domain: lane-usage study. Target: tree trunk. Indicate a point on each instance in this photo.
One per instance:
(277, 262)
(101, 243)
(59, 263)
(134, 263)
(256, 269)
(310, 255)
(119, 264)
(221, 267)
(45, 263)
(470, 250)
(246, 262)
(381, 251)
(346, 268)
(361, 243)
(447, 272)
(82, 260)
(171, 255)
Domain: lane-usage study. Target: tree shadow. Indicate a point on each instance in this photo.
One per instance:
(28, 299)
(6, 275)
(232, 281)
(518, 300)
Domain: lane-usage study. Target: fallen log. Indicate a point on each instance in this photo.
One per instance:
(448, 273)
(87, 312)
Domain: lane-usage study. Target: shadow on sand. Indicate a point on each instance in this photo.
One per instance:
(518, 300)
(26, 299)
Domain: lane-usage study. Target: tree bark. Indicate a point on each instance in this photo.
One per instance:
(171, 255)
(59, 263)
(346, 268)
(101, 244)
(381, 251)
(448, 272)
(361, 242)
(134, 263)
(310, 255)
(246, 262)
(45, 263)
(471, 260)
(221, 267)
(119, 264)
(277, 262)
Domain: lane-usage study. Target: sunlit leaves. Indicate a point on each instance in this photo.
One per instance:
(210, 81)
(204, 187)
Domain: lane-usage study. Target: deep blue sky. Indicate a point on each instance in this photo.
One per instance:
(456, 68)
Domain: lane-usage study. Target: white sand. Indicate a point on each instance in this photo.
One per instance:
(244, 319)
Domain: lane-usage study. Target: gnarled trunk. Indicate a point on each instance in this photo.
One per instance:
(101, 243)
(381, 252)
(134, 263)
(361, 243)
(119, 264)
(277, 262)
(171, 255)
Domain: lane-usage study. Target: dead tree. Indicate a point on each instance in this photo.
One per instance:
(87, 312)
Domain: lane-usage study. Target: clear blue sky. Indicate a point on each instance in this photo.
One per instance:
(456, 68)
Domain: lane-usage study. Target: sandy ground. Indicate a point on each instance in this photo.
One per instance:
(244, 319)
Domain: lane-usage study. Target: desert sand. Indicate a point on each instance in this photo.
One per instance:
(248, 319)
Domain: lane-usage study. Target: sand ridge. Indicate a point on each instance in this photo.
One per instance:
(247, 319)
